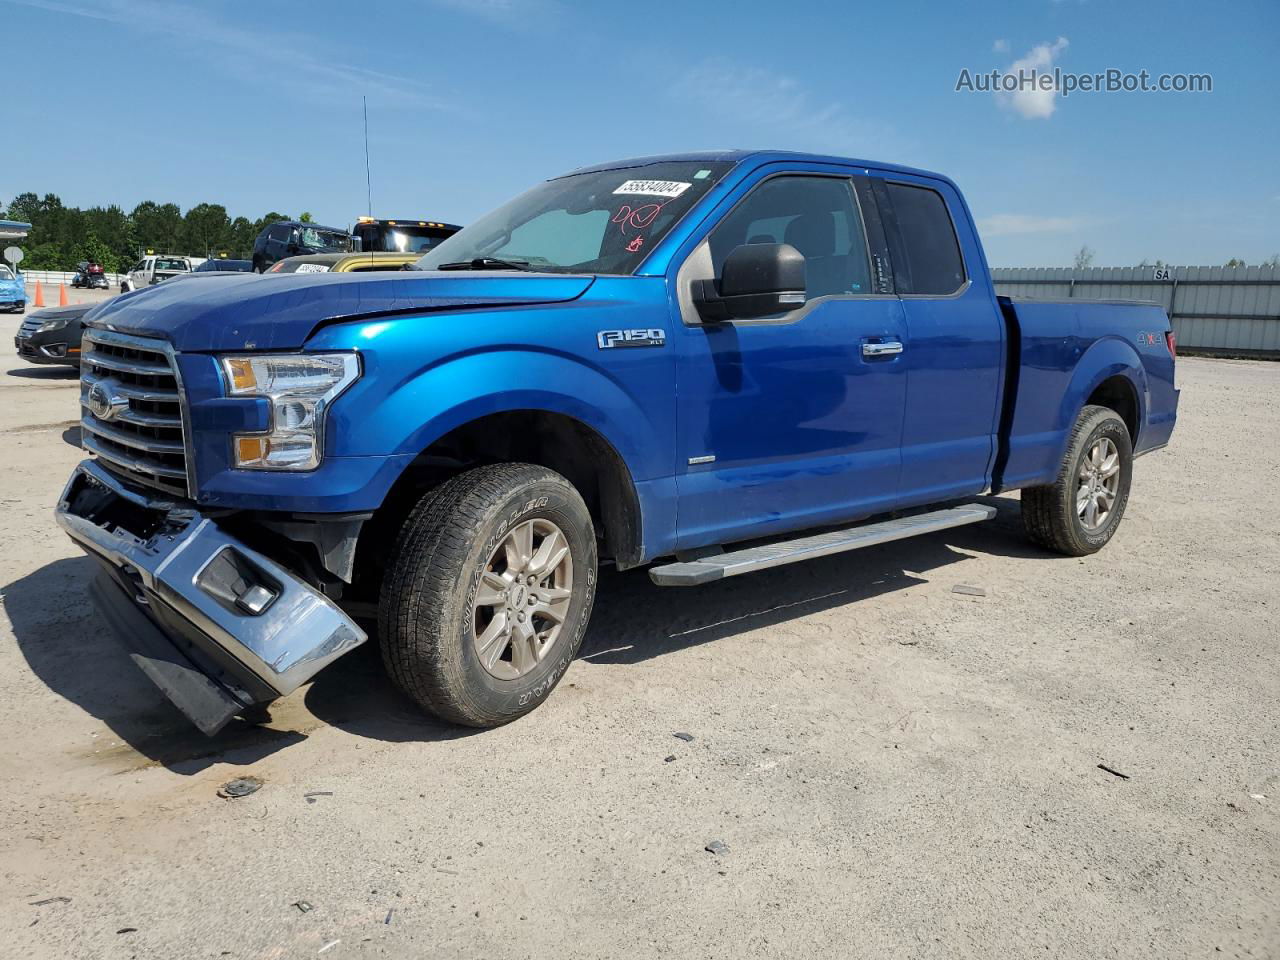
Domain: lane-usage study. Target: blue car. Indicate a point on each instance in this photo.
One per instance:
(13, 291)
(707, 364)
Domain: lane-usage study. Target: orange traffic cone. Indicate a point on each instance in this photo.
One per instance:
(62, 294)
(39, 294)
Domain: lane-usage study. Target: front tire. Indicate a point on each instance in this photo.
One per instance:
(488, 593)
(1079, 512)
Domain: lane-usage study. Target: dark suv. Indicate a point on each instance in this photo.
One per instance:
(290, 238)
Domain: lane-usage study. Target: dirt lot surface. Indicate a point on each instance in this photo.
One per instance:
(897, 770)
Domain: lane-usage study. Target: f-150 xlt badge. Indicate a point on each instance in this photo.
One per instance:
(607, 339)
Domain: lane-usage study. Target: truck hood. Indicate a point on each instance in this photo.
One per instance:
(280, 311)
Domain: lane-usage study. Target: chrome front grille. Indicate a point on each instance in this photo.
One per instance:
(131, 409)
(28, 327)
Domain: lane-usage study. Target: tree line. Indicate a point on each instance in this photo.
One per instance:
(62, 236)
(1084, 260)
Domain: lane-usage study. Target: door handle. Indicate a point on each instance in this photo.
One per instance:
(886, 348)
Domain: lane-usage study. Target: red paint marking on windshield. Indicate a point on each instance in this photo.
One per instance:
(637, 218)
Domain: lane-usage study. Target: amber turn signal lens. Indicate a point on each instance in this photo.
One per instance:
(250, 450)
(241, 373)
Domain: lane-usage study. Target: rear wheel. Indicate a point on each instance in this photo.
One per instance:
(488, 593)
(1079, 512)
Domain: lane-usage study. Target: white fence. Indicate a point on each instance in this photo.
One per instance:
(56, 277)
(1216, 310)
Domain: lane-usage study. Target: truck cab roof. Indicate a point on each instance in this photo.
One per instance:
(755, 158)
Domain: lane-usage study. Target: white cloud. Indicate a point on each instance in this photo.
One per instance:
(1016, 224)
(242, 51)
(1031, 100)
(1000, 46)
(759, 101)
(510, 13)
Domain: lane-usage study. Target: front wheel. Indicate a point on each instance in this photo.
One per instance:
(488, 592)
(1079, 512)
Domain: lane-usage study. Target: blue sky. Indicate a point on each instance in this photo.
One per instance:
(257, 106)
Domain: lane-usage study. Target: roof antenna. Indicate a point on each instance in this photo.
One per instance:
(369, 176)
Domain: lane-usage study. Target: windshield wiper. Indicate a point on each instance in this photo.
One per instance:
(485, 263)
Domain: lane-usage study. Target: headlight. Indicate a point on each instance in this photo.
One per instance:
(299, 387)
(51, 325)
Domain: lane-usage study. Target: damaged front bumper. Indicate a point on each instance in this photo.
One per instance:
(215, 624)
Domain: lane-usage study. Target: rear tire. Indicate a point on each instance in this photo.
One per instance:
(1079, 512)
(488, 593)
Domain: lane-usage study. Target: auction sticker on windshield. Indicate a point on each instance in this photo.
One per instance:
(654, 188)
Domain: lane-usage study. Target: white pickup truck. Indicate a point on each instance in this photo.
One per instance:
(155, 268)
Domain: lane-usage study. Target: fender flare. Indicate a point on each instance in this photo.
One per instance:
(550, 383)
(1107, 357)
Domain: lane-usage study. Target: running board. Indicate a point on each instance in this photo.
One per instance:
(693, 573)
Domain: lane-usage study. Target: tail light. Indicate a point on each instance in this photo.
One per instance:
(1171, 341)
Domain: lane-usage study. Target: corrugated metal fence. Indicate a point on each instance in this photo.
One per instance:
(1217, 310)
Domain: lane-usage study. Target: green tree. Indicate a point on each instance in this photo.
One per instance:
(206, 230)
(158, 226)
(96, 251)
(1234, 263)
(243, 233)
(305, 217)
(61, 235)
(1084, 258)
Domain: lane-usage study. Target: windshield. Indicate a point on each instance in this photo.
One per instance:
(167, 263)
(400, 238)
(323, 241)
(412, 239)
(602, 222)
(6, 274)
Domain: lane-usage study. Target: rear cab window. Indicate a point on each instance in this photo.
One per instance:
(923, 242)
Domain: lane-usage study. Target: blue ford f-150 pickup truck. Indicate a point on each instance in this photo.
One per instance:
(710, 363)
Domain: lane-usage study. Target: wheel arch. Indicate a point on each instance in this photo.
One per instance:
(575, 449)
(1109, 374)
(1118, 393)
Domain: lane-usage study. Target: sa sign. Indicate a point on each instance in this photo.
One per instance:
(1162, 273)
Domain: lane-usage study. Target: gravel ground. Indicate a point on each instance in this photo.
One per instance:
(896, 770)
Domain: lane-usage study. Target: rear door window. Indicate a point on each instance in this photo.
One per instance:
(926, 258)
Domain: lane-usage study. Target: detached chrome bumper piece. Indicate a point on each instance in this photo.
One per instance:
(215, 624)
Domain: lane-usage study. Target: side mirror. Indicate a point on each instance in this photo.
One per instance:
(758, 280)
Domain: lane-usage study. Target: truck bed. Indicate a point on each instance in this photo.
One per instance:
(1061, 353)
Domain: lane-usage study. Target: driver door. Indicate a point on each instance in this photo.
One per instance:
(795, 420)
